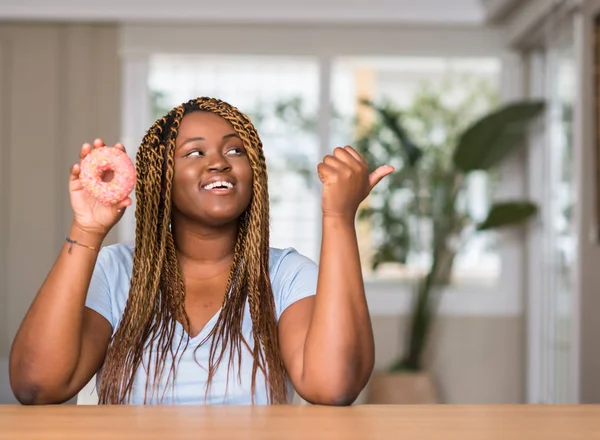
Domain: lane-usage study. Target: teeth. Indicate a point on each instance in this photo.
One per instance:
(218, 185)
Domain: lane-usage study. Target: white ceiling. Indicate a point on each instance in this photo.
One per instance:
(452, 12)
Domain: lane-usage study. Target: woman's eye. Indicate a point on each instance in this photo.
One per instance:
(194, 153)
(236, 151)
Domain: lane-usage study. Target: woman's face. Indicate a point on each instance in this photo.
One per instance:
(212, 182)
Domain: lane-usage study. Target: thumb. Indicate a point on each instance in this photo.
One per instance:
(74, 182)
(376, 176)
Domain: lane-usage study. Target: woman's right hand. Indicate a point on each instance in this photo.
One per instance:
(90, 215)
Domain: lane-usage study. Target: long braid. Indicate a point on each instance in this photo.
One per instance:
(156, 299)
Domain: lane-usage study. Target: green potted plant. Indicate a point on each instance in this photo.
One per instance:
(435, 146)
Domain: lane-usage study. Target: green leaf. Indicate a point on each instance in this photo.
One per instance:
(401, 366)
(506, 214)
(389, 253)
(391, 119)
(485, 143)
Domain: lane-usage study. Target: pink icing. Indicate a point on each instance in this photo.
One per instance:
(101, 160)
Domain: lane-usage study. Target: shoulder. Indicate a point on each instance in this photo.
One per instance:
(293, 277)
(109, 286)
(118, 252)
(115, 258)
(115, 263)
(282, 261)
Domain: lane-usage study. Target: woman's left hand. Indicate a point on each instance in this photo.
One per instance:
(347, 181)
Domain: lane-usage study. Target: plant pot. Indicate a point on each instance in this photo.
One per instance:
(403, 388)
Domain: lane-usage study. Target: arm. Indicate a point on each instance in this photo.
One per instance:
(61, 344)
(327, 340)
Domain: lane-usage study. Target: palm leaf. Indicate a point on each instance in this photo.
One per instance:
(485, 143)
(507, 213)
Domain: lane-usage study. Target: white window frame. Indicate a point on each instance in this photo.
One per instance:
(532, 32)
(386, 298)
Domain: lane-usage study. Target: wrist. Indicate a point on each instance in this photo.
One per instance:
(339, 218)
(85, 236)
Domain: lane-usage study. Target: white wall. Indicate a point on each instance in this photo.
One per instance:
(307, 11)
(312, 40)
(59, 87)
(474, 360)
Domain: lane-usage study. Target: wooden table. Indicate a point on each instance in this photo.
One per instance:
(301, 422)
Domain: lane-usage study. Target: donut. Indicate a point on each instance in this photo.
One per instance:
(101, 160)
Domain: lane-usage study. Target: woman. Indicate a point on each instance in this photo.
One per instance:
(202, 310)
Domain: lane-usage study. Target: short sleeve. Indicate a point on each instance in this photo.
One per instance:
(99, 295)
(295, 279)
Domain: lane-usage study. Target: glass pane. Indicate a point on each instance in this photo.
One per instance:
(437, 99)
(560, 234)
(267, 89)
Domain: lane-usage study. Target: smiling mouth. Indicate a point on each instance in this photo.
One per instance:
(218, 187)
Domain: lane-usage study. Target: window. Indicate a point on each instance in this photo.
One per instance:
(554, 377)
(280, 94)
(465, 89)
(295, 79)
(562, 236)
(553, 280)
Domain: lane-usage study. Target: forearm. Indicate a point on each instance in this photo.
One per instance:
(47, 346)
(339, 348)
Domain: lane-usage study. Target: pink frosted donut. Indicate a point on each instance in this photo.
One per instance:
(101, 160)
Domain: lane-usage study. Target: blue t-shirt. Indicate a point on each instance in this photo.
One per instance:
(293, 277)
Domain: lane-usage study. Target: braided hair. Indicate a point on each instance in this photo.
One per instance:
(156, 299)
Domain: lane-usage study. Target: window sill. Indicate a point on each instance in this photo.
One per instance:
(388, 297)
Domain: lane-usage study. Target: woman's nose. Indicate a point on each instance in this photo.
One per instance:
(217, 162)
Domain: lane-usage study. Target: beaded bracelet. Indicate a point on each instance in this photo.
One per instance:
(72, 242)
